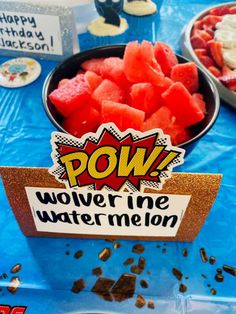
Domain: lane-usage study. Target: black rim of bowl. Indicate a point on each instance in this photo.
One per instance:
(115, 50)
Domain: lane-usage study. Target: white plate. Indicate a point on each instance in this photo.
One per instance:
(19, 72)
(188, 52)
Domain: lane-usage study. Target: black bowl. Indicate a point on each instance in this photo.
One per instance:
(70, 67)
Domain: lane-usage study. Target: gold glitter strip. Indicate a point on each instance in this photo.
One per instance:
(203, 189)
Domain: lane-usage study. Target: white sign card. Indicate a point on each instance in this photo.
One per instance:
(106, 213)
(45, 31)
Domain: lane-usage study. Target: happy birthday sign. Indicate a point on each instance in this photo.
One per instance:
(36, 30)
(27, 32)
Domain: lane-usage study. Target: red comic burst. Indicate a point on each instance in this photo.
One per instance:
(112, 160)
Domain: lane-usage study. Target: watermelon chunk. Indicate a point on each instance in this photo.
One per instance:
(80, 71)
(93, 79)
(70, 95)
(107, 90)
(127, 91)
(165, 57)
(164, 119)
(187, 74)
(161, 89)
(140, 65)
(199, 99)
(178, 134)
(143, 96)
(182, 105)
(82, 121)
(122, 115)
(94, 65)
(63, 82)
(113, 69)
(161, 118)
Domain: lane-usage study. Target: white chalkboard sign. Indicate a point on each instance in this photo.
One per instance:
(45, 31)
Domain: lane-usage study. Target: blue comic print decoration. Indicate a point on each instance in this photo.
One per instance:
(110, 9)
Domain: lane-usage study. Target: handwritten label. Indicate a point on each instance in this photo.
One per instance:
(30, 32)
(106, 213)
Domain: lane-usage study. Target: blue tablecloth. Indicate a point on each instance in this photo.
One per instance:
(48, 265)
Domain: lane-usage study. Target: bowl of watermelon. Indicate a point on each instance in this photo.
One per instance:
(139, 86)
(210, 41)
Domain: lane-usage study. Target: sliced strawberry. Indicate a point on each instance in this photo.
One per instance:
(198, 25)
(229, 80)
(220, 11)
(215, 11)
(206, 61)
(211, 20)
(215, 71)
(203, 34)
(226, 70)
(224, 10)
(215, 49)
(232, 10)
(209, 30)
(232, 86)
(200, 52)
(198, 42)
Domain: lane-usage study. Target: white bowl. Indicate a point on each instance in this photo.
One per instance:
(226, 94)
